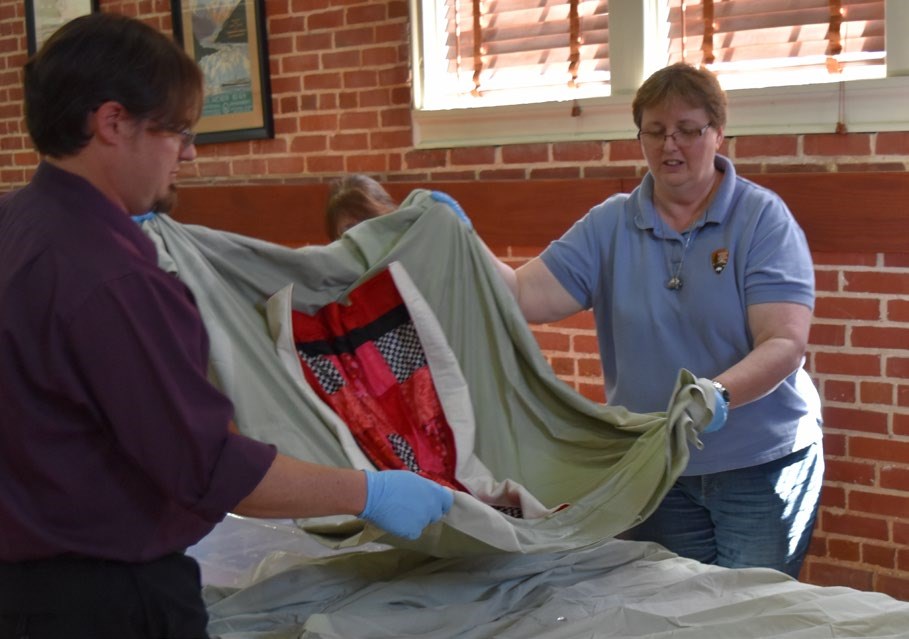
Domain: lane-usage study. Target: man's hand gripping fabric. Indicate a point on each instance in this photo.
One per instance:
(403, 503)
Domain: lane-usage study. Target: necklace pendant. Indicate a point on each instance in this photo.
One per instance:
(674, 283)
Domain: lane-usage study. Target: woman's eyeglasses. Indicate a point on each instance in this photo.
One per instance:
(681, 136)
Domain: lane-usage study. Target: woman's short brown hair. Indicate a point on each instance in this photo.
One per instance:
(695, 87)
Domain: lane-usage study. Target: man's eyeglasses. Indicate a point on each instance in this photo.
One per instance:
(681, 136)
(187, 136)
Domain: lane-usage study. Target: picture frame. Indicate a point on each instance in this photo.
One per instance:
(228, 40)
(43, 17)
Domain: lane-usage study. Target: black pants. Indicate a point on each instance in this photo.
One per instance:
(77, 598)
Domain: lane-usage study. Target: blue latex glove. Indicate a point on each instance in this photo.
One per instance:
(444, 198)
(142, 218)
(720, 412)
(403, 503)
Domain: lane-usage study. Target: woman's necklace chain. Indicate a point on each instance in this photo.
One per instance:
(674, 282)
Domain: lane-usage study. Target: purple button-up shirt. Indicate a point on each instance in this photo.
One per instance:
(113, 443)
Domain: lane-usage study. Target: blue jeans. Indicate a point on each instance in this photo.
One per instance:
(757, 516)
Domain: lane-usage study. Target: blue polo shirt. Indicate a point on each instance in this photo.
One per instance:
(113, 443)
(747, 249)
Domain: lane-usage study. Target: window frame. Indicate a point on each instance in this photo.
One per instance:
(869, 105)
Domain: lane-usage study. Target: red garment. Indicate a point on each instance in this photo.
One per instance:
(365, 360)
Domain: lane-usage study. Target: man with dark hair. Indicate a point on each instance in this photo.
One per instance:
(116, 453)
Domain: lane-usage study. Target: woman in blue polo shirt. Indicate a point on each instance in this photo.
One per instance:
(699, 268)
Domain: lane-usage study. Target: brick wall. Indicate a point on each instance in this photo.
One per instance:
(341, 98)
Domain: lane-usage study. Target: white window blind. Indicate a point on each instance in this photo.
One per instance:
(516, 51)
(757, 43)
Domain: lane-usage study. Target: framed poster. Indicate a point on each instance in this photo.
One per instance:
(227, 39)
(43, 17)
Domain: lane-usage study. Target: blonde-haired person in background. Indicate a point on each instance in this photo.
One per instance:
(353, 199)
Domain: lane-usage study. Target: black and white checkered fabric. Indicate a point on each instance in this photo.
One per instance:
(326, 373)
(404, 452)
(402, 351)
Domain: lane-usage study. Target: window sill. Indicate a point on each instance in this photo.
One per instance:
(869, 106)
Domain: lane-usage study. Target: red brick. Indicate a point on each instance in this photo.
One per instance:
(832, 307)
(577, 151)
(321, 81)
(850, 525)
(592, 392)
(895, 477)
(590, 367)
(309, 143)
(833, 497)
(392, 32)
(244, 166)
(585, 344)
(359, 120)
(848, 364)
(898, 367)
(855, 419)
(877, 555)
(827, 574)
(849, 472)
(898, 310)
(795, 167)
(901, 533)
(610, 171)
(346, 59)
(360, 79)
(451, 176)
(880, 337)
(827, 280)
(525, 153)
(900, 424)
(503, 174)
(325, 20)
(900, 260)
(381, 56)
(833, 144)
(879, 449)
(839, 391)
(844, 550)
(397, 117)
(827, 334)
(876, 393)
(313, 42)
(563, 365)
(325, 163)
(835, 444)
(392, 76)
(473, 155)
(556, 173)
(367, 163)
(372, 12)
(878, 504)
(892, 143)
(422, 159)
(621, 150)
(897, 586)
(400, 139)
(299, 64)
(902, 395)
(827, 258)
(552, 341)
(750, 146)
(286, 165)
(877, 282)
